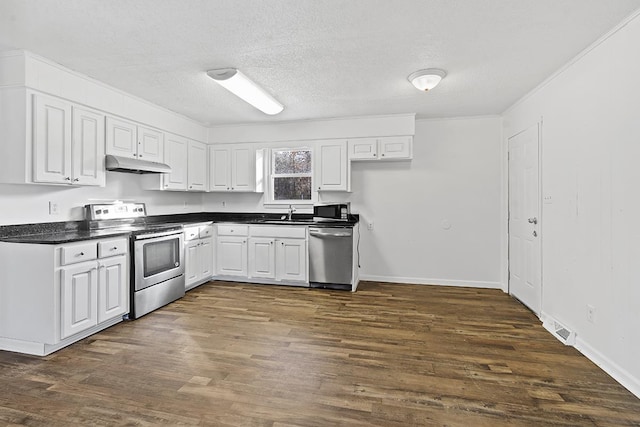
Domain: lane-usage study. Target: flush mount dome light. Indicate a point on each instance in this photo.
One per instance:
(240, 85)
(425, 80)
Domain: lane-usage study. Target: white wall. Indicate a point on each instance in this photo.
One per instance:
(454, 179)
(589, 166)
(454, 176)
(25, 204)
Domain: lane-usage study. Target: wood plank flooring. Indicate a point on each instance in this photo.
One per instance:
(232, 354)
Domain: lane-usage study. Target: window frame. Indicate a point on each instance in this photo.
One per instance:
(270, 200)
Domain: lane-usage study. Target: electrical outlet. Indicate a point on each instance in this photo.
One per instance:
(591, 313)
(370, 226)
(54, 209)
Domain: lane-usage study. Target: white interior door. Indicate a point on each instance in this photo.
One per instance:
(524, 219)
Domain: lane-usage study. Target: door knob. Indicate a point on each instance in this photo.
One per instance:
(535, 234)
(533, 220)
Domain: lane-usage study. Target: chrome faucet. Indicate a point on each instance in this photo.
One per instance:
(291, 211)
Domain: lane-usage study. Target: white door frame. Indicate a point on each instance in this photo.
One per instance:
(540, 227)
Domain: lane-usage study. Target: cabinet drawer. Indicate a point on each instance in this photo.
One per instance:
(277, 231)
(206, 231)
(233, 230)
(191, 233)
(113, 247)
(78, 253)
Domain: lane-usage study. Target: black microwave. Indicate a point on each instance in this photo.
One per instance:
(332, 212)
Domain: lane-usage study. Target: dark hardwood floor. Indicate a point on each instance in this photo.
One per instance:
(250, 355)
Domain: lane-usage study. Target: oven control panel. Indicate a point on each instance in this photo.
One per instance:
(115, 211)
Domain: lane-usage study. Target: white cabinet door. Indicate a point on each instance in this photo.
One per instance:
(243, 169)
(113, 289)
(121, 138)
(231, 256)
(51, 140)
(192, 262)
(197, 166)
(331, 166)
(88, 147)
(395, 147)
(291, 258)
(150, 144)
(232, 168)
(175, 155)
(262, 257)
(206, 258)
(219, 168)
(79, 299)
(363, 149)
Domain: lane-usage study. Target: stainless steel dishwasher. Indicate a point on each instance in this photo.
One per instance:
(330, 257)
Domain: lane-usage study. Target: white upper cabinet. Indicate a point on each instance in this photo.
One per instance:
(126, 139)
(175, 155)
(243, 169)
(68, 143)
(383, 148)
(121, 138)
(232, 168)
(150, 144)
(363, 149)
(197, 166)
(219, 168)
(331, 166)
(395, 147)
(87, 158)
(51, 140)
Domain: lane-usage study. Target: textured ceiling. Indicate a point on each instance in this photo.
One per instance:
(320, 58)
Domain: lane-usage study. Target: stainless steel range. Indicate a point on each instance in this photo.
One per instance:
(157, 268)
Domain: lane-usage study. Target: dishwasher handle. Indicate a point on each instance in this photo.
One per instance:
(319, 233)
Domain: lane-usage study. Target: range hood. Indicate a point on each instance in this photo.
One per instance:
(126, 164)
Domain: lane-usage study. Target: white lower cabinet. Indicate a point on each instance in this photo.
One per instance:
(276, 254)
(291, 256)
(93, 292)
(262, 257)
(231, 259)
(79, 302)
(198, 254)
(113, 288)
(70, 291)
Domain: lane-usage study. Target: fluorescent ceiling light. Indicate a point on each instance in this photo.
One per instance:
(238, 84)
(426, 80)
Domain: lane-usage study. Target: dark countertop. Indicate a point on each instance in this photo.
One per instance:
(63, 236)
(53, 233)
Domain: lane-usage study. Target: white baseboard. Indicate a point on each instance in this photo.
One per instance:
(619, 374)
(437, 282)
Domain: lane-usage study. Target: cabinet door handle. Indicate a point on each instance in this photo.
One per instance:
(80, 254)
(76, 179)
(67, 178)
(115, 248)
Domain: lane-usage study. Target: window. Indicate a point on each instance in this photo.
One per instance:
(291, 175)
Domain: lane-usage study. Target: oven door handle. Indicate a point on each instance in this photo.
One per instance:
(159, 234)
